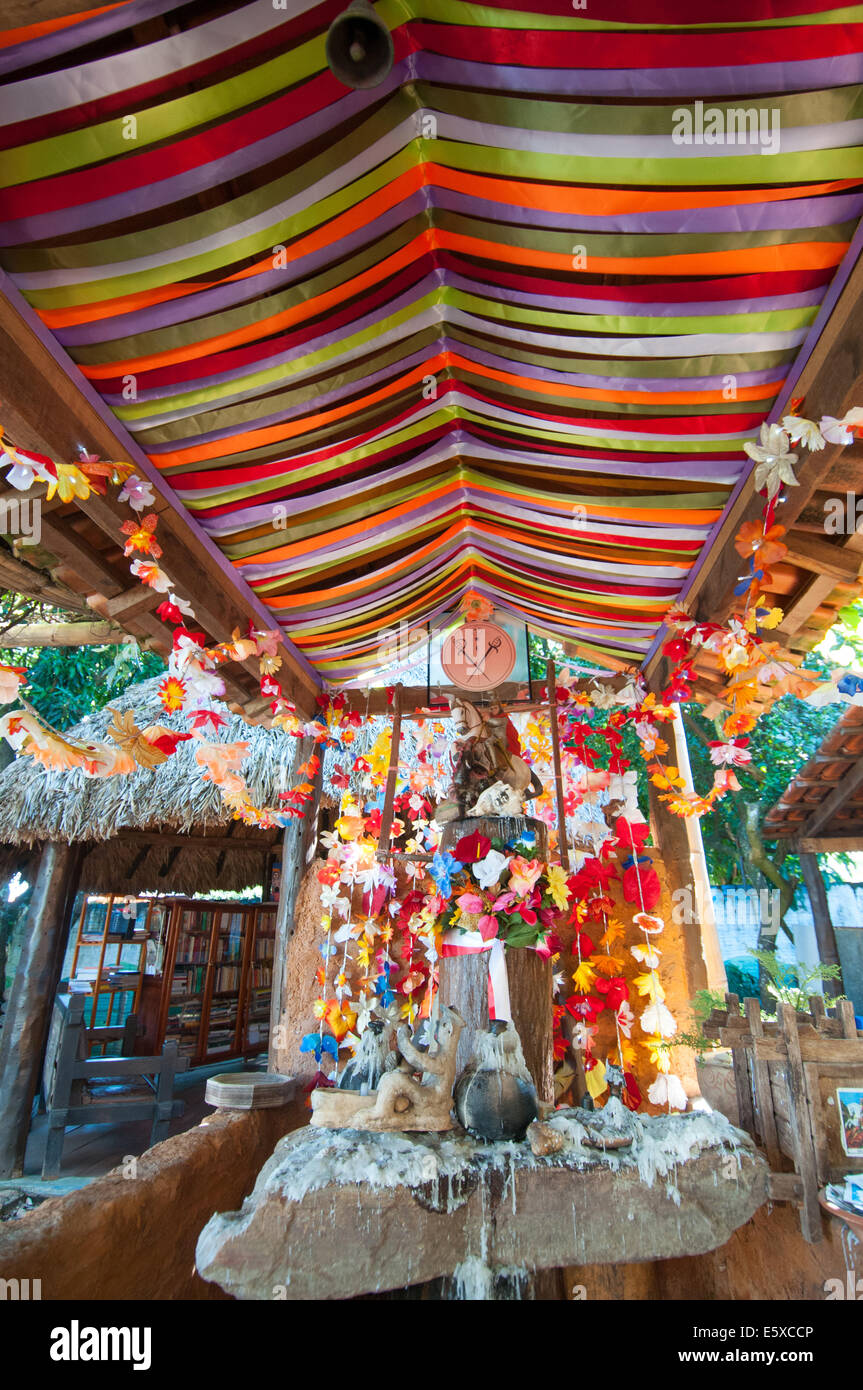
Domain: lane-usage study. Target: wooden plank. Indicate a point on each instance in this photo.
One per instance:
(831, 561)
(31, 1000)
(551, 692)
(299, 844)
(810, 1215)
(761, 1083)
(62, 635)
(784, 1187)
(817, 1123)
(831, 844)
(745, 1108)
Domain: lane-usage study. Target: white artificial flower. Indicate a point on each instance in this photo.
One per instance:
(839, 431)
(24, 471)
(648, 955)
(487, 872)
(185, 608)
(773, 458)
(659, 1020)
(802, 431)
(625, 1019)
(668, 1090)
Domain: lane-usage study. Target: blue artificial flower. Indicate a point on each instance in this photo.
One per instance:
(319, 1043)
(328, 948)
(442, 868)
(382, 985)
(526, 840)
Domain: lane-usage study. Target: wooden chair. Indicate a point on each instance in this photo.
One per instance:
(102, 1090)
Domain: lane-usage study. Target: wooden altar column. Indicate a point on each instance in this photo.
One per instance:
(31, 1001)
(672, 842)
(824, 935)
(464, 979)
(298, 850)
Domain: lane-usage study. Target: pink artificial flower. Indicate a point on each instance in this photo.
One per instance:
(523, 874)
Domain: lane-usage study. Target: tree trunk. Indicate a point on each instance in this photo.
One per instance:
(31, 999)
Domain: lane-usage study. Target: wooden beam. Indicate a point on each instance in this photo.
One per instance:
(62, 541)
(52, 409)
(832, 844)
(20, 578)
(62, 635)
(830, 383)
(219, 842)
(836, 561)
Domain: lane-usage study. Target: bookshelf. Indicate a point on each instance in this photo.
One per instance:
(215, 995)
(116, 942)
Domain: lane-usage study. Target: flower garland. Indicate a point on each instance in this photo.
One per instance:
(192, 680)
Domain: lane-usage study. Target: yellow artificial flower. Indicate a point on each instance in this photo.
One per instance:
(649, 987)
(70, 482)
(584, 977)
(557, 885)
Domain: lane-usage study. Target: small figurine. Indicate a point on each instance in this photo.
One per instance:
(415, 1095)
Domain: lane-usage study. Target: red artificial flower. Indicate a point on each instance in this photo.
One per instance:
(631, 1092)
(166, 742)
(641, 885)
(585, 1007)
(630, 835)
(169, 612)
(206, 718)
(582, 945)
(615, 990)
(472, 848)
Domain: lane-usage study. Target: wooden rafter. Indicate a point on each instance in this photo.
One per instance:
(50, 411)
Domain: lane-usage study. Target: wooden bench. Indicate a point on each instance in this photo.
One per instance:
(786, 1072)
(102, 1090)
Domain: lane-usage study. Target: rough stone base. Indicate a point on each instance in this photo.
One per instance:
(334, 1215)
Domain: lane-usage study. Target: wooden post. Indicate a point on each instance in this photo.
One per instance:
(383, 851)
(711, 949)
(765, 1118)
(551, 691)
(298, 849)
(672, 841)
(824, 934)
(32, 998)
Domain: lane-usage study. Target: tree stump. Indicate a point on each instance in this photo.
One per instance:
(464, 979)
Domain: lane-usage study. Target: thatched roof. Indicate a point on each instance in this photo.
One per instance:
(171, 799)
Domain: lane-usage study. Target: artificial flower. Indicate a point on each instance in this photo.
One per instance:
(137, 492)
(801, 431)
(141, 536)
(69, 483)
(668, 1090)
(488, 871)
(172, 693)
(471, 848)
(658, 1019)
(523, 874)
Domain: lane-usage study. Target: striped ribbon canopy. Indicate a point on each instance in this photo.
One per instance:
(502, 322)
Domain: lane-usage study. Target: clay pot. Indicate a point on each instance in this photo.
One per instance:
(492, 1101)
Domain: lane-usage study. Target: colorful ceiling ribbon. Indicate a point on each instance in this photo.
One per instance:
(494, 324)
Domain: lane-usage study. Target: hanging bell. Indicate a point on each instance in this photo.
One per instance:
(359, 46)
